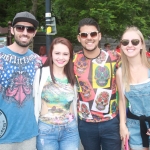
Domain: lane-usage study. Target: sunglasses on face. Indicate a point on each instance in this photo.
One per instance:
(134, 42)
(21, 28)
(92, 34)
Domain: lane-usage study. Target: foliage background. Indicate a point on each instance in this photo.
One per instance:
(112, 15)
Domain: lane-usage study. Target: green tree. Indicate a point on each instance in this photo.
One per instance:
(11, 7)
(112, 15)
(67, 13)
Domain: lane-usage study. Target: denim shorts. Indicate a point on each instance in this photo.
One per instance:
(135, 140)
(58, 137)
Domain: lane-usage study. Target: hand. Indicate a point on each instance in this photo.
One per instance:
(148, 132)
(124, 133)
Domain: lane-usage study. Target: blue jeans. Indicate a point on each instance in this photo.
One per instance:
(58, 137)
(105, 134)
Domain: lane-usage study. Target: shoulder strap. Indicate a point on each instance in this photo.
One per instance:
(40, 74)
(148, 73)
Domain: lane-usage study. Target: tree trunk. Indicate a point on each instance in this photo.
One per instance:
(34, 7)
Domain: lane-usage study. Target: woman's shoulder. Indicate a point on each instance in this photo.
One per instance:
(119, 72)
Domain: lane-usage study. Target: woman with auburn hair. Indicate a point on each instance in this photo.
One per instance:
(133, 81)
(56, 98)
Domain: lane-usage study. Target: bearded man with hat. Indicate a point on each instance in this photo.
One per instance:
(18, 65)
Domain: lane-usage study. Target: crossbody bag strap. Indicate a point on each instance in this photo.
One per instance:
(40, 75)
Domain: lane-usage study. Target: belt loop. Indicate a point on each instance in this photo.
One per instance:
(53, 127)
(66, 125)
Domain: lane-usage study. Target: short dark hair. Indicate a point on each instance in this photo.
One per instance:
(106, 44)
(88, 21)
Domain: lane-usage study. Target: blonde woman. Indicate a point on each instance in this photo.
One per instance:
(133, 81)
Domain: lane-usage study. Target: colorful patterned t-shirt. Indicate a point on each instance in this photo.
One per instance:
(96, 86)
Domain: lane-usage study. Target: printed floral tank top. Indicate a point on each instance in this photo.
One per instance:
(56, 101)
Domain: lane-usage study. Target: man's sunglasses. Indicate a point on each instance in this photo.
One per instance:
(92, 34)
(134, 42)
(20, 28)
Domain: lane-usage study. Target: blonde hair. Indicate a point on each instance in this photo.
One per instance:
(126, 75)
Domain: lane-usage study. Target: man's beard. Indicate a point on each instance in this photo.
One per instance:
(22, 44)
(89, 50)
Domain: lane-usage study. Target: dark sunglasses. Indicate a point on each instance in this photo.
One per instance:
(20, 28)
(92, 34)
(134, 42)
